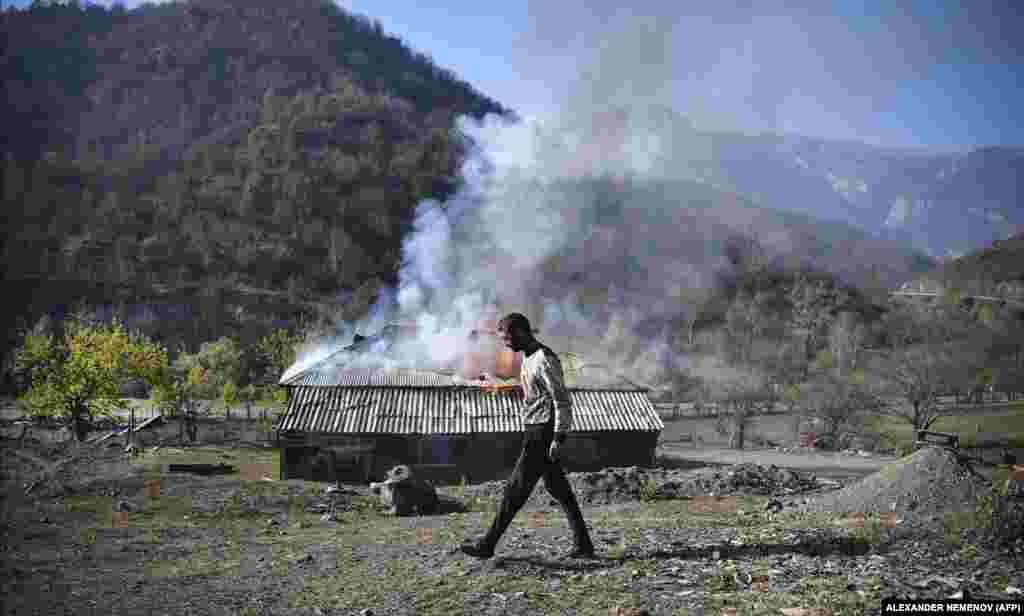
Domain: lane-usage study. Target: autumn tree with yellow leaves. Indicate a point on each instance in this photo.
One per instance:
(75, 376)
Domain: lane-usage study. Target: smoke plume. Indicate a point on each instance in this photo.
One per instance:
(579, 220)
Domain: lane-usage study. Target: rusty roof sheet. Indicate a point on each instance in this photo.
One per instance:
(452, 410)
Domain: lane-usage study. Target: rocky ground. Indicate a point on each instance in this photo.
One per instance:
(56, 561)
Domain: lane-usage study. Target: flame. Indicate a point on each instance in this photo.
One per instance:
(484, 354)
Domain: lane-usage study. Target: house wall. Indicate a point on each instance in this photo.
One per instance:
(345, 458)
(481, 457)
(597, 450)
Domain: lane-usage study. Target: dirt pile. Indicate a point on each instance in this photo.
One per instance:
(931, 481)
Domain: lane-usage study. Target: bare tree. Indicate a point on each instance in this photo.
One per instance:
(918, 375)
(840, 403)
(812, 305)
(745, 322)
(696, 304)
(846, 339)
(742, 393)
(1006, 353)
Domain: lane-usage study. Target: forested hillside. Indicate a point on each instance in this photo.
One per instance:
(996, 271)
(203, 167)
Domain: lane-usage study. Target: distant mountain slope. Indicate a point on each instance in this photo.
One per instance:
(942, 203)
(996, 271)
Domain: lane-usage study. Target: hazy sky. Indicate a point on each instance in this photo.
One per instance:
(900, 73)
(928, 73)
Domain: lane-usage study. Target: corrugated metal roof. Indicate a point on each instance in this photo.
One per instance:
(452, 410)
(367, 377)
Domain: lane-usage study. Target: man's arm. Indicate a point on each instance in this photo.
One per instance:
(554, 380)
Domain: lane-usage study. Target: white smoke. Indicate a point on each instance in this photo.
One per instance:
(488, 245)
(568, 220)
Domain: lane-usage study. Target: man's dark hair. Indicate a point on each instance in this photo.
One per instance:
(514, 320)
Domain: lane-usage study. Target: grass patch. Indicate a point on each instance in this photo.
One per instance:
(1000, 475)
(235, 526)
(472, 502)
(449, 589)
(268, 459)
(829, 592)
(896, 433)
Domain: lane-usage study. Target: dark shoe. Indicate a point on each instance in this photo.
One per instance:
(585, 552)
(476, 549)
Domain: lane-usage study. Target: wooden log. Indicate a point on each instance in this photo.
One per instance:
(201, 469)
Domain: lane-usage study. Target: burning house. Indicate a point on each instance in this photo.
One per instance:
(346, 422)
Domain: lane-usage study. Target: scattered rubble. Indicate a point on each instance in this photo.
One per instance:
(331, 502)
(629, 484)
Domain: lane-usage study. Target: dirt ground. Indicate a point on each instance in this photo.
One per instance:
(62, 559)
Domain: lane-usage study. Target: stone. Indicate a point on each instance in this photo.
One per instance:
(402, 493)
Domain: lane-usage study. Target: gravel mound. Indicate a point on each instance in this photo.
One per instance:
(929, 482)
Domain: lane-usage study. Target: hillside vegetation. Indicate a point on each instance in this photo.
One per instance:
(997, 270)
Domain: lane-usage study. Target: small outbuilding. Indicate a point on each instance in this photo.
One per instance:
(355, 424)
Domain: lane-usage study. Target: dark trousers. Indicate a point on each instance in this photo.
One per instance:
(533, 464)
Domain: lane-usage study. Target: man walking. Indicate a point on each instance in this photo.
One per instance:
(547, 418)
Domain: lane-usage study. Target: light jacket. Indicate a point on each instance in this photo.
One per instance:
(544, 390)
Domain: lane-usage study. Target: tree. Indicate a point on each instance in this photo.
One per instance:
(745, 321)
(943, 336)
(279, 349)
(839, 402)
(247, 395)
(231, 394)
(812, 305)
(223, 362)
(846, 339)
(785, 367)
(694, 302)
(180, 388)
(1006, 353)
(743, 393)
(918, 375)
(76, 376)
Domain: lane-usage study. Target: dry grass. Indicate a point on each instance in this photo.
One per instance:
(369, 560)
(443, 586)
